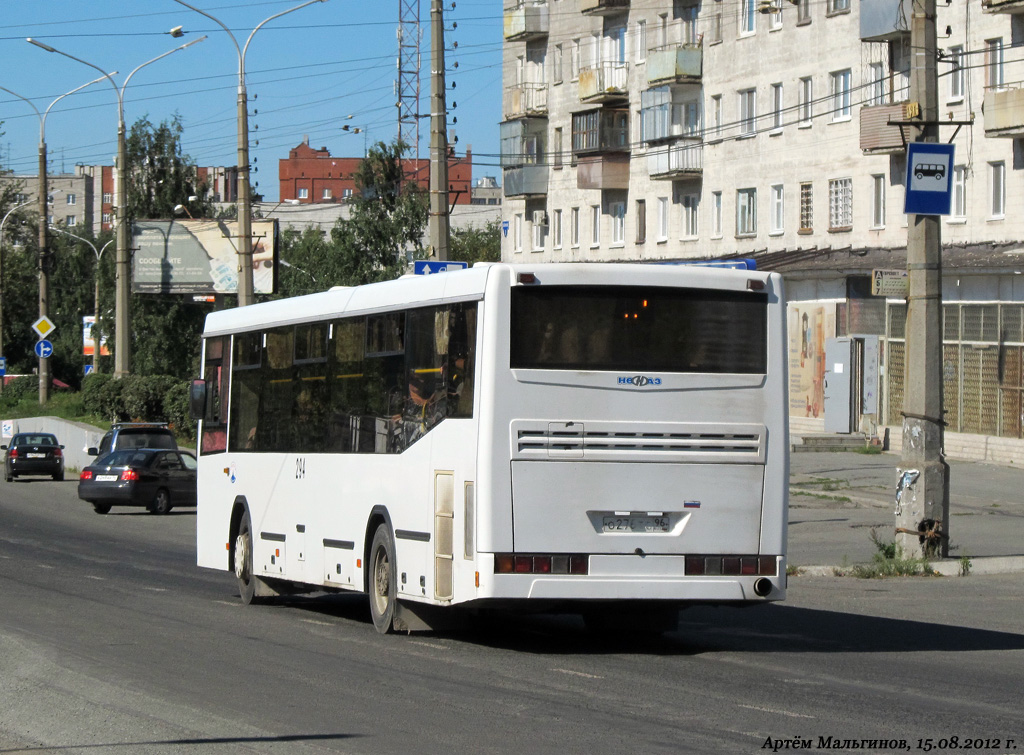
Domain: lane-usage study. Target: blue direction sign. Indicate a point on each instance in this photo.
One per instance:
(504, 228)
(429, 267)
(3, 366)
(43, 349)
(88, 369)
(929, 179)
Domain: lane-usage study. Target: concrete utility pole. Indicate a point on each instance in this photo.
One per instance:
(44, 269)
(439, 228)
(923, 493)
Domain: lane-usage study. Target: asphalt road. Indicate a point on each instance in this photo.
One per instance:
(113, 641)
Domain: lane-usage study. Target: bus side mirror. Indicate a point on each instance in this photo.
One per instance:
(197, 399)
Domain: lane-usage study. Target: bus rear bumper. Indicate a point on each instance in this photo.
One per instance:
(684, 589)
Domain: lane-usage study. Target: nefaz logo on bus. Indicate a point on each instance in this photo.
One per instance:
(639, 381)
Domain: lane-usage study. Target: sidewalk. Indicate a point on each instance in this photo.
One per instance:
(837, 498)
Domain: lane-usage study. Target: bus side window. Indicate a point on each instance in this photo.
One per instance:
(461, 359)
(217, 367)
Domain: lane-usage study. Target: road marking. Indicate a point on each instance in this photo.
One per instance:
(227, 603)
(155, 589)
(429, 645)
(93, 576)
(318, 623)
(780, 712)
(576, 673)
(46, 566)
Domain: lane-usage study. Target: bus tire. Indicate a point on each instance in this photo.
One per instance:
(247, 582)
(382, 585)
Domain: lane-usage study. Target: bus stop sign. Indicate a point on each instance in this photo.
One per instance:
(929, 188)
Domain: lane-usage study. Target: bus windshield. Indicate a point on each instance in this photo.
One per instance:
(638, 328)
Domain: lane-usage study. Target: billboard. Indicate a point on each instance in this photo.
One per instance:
(88, 344)
(200, 256)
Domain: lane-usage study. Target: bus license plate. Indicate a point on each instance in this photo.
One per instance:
(635, 524)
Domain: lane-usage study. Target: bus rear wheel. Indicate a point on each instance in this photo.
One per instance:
(243, 562)
(382, 584)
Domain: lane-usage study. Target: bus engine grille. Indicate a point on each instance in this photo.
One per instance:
(610, 441)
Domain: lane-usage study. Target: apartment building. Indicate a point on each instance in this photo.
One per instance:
(678, 129)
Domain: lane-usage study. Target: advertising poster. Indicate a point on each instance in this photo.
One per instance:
(88, 344)
(200, 256)
(809, 325)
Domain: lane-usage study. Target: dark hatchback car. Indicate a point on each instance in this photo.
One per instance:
(157, 478)
(33, 454)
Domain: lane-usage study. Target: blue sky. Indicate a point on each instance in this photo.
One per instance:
(306, 73)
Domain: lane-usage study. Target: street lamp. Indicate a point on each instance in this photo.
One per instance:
(2, 224)
(44, 256)
(96, 306)
(245, 284)
(123, 262)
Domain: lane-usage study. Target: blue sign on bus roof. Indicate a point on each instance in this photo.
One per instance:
(740, 263)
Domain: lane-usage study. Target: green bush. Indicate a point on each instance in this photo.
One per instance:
(18, 389)
(176, 410)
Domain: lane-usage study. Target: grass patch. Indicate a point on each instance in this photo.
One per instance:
(868, 450)
(821, 496)
(889, 561)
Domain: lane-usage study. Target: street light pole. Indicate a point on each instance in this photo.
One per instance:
(45, 258)
(246, 295)
(96, 295)
(122, 298)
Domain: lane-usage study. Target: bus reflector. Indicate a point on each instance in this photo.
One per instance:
(556, 563)
(755, 285)
(762, 566)
(527, 278)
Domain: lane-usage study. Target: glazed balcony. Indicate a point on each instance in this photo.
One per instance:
(603, 7)
(525, 100)
(675, 64)
(526, 21)
(526, 181)
(605, 82)
(1002, 6)
(877, 137)
(681, 159)
(603, 171)
(1004, 111)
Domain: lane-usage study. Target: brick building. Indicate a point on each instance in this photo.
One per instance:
(313, 176)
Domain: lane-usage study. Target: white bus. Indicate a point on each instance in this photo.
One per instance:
(560, 437)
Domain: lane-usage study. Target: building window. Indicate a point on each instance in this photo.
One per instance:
(840, 204)
(327, 194)
(107, 218)
(641, 221)
(775, 16)
(556, 68)
(574, 227)
(803, 12)
(716, 116)
(714, 33)
(72, 199)
(556, 229)
(303, 193)
(641, 40)
(691, 207)
(748, 16)
(777, 107)
(517, 233)
(746, 212)
(618, 213)
(956, 73)
(574, 59)
(595, 225)
(997, 189)
(556, 157)
(806, 208)
(662, 218)
(716, 214)
(806, 104)
(108, 198)
(876, 89)
(777, 218)
(748, 111)
(960, 191)
(878, 201)
(540, 230)
(841, 95)
(837, 6)
(994, 63)
(70, 221)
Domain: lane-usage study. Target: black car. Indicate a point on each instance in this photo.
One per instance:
(130, 435)
(157, 478)
(33, 454)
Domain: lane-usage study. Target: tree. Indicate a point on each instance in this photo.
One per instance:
(476, 244)
(386, 225)
(160, 174)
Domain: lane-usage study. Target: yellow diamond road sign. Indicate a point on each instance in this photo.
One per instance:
(43, 327)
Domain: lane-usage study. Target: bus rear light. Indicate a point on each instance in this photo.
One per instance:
(527, 279)
(731, 566)
(755, 285)
(514, 563)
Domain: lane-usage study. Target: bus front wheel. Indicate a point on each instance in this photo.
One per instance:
(382, 583)
(243, 561)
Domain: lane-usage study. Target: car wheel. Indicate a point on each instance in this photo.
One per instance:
(58, 476)
(383, 585)
(162, 503)
(9, 477)
(101, 508)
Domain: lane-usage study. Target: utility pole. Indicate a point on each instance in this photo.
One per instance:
(923, 493)
(439, 228)
(44, 270)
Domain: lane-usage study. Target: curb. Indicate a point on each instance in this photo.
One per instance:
(950, 567)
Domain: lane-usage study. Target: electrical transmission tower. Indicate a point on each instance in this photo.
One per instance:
(409, 36)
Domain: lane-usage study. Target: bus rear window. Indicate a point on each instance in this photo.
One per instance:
(633, 328)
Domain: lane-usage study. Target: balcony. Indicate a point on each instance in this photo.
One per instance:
(675, 64)
(600, 131)
(526, 21)
(877, 137)
(885, 20)
(603, 7)
(610, 171)
(681, 159)
(526, 181)
(1002, 6)
(526, 99)
(1004, 112)
(605, 82)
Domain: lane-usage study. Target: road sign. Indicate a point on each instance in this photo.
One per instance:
(88, 369)
(43, 349)
(429, 267)
(3, 366)
(43, 327)
(889, 283)
(504, 228)
(929, 188)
